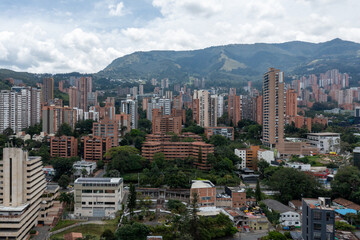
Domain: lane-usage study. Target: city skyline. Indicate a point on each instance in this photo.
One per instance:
(40, 36)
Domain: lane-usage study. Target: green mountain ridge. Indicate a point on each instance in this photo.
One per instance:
(227, 65)
(238, 63)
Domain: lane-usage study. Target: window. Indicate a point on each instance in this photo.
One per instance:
(317, 215)
(317, 226)
(110, 191)
(86, 191)
(328, 216)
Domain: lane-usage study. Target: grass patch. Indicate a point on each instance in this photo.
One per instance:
(89, 229)
(63, 223)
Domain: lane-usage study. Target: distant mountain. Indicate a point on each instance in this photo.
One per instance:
(238, 63)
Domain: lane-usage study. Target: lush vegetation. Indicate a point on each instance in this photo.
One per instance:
(346, 184)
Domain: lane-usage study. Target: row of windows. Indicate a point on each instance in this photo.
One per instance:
(98, 191)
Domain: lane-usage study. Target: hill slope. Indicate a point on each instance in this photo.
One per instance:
(238, 63)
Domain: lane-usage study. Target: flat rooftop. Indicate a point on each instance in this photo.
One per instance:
(20, 208)
(202, 184)
(99, 180)
(315, 203)
(277, 206)
(324, 134)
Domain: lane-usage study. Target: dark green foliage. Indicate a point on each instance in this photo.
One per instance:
(8, 132)
(293, 184)
(64, 181)
(258, 192)
(343, 226)
(274, 235)
(83, 127)
(63, 166)
(135, 231)
(100, 164)
(218, 140)
(194, 129)
(36, 129)
(346, 184)
(64, 130)
(145, 125)
(108, 235)
(125, 159)
(131, 204)
(176, 206)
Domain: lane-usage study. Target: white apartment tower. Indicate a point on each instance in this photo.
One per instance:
(19, 108)
(22, 183)
(129, 106)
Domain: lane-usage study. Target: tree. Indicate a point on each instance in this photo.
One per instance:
(194, 218)
(293, 184)
(135, 231)
(145, 125)
(132, 200)
(100, 164)
(107, 235)
(113, 173)
(84, 172)
(258, 192)
(218, 140)
(8, 132)
(68, 199)
(63, 166)
(64, 181)
(346, 184)
(64, 130)
(274, 235)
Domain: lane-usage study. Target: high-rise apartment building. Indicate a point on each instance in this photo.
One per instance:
(95, 147)
(166, 124)
(234, 108)
(19, 108)
(107, 129)
(291, 103)
(21, 187)
(206, 109)
(64, 146)
(52, 118)
(220, 105)
(273, 107)
(259, 110)
(47, 90)
(85, 87)
(74, 97)
(130, 106)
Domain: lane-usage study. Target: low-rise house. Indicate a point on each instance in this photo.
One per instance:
(288, 217)
(247, 221)
(206, 192)
(80, 165)
(267, 155)
(296, 205)
(98, 197)
(298, 165)
(325, 142)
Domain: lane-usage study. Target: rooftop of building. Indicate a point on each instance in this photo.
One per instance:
(202, 184)
(52, 187)
(357, 150)
(98, 180)
(346, 203)
(84, 163)
(324, 134)
(316, 203)
(277, 206)
(236, 189)
(297, 203)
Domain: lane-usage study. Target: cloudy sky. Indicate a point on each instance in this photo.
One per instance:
(86, 35)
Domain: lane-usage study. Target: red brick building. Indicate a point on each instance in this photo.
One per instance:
(63, 146)
(166, 124)
(95, 147)
(205, 191)
(107, 129)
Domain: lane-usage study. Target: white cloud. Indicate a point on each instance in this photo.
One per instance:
(116, 9)
(89, 42)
